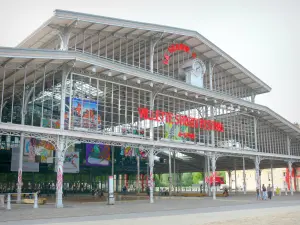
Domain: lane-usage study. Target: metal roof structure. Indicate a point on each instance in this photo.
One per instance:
(45, 36)
(53, 59)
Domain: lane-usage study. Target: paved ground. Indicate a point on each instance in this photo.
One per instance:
(194, 211)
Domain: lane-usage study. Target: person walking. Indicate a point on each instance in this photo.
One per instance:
(264, 191)
(257, 194)
(148, 191)
(269, 189)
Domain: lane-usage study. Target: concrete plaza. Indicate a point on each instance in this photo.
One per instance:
(175, 210)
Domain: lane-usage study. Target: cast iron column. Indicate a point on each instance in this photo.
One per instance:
(290, 163)
(174, 173)
(230, 180)
(138, 174)
(170, 173)
(20, 170)
(208, 166)
(244, 176)
(61, 143)
(235, 181)
(151, 165)
(213, 168)
(257, 176)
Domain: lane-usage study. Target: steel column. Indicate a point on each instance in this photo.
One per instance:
(208, 175)
(23, 113)
(170, 173)
(151, 165)
(244, 176)
(113, 161)
(61, 142)
(138, 174)
(289, 145)
(204, 176)
(235, 181)
(257, 176)
(64, 35)
(273, 191)
(59, 173)
(152, 47)
(174, 172)
(230, 180)
(255, 134)
(210, 71)
(253, 98)
(213, 167)
(20, 170)
(290, 163)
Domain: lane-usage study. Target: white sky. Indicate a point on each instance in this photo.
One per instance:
(262, 35)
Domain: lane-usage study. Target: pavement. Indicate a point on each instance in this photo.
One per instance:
(173, 211)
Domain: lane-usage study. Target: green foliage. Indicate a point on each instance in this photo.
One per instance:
(197, 177)
(187, 179)
(222, 174)
(161, 180)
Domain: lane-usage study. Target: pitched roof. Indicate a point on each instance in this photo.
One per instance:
(121, 27)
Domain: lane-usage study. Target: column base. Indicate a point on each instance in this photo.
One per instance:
(19, 193)
(60, 205)
(111, 201)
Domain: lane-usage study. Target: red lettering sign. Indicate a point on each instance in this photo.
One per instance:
(177, 47)
(182, 120)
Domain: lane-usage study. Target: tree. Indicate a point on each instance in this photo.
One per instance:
(197, 177)
(157, 180)
(222, 174)
(187, 179)
(161, 180)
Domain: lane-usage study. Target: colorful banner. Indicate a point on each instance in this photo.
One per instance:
(35, 147)
(27, 166)
(85, 113)
(97, 155)
(133, 152)
(71, 163)
(173, 131)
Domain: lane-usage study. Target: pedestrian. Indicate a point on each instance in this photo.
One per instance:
(264, 191)
(269, 189)
(257, 194)
(124, 190)
(278, 191)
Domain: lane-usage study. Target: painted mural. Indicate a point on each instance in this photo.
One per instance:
(97, 155)
(85, 113)
(133, 152)
(35, 147)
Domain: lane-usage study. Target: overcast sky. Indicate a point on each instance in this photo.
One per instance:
(262, 35)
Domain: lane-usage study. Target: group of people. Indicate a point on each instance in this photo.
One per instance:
(163, 192)
(98, 193)
(266, 193)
